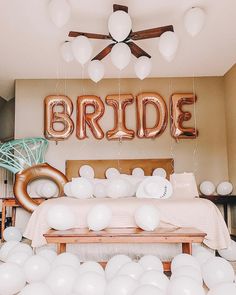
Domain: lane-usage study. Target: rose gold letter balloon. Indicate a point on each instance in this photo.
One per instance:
(142, 100)
(53, 116)
(178, 116)
(119, 103)
(91, 119)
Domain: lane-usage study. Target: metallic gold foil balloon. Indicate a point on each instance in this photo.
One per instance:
(23, 178)
(53, 116)
(119, 103)
(91, 119)
(178, 115)
(142, 100)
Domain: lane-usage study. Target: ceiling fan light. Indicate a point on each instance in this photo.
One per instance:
(96, 70)
(194, 20)
(66, 52)
(82, 49)
(119, 25)
(142, 67)
(59, 11)
(168, 45)
(120, 55)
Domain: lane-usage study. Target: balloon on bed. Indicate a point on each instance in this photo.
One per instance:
(25, 158)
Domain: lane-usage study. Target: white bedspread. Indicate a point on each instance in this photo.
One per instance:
(199, 213)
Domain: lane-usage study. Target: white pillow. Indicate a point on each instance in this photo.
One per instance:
(184, 185)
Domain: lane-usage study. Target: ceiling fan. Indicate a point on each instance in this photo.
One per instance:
(139, 35)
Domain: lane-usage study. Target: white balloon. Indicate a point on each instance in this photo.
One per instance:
(21, 247)
(184, 260)
(112, 173)
(202, 254)
(12, 279)
(66, 51)
(114, 264)
(132, 269)
(81, 188)
(168, 45)
(12, 233)
(49, 189)
(96, 70)
(138, 172)
(86, 171)
(36, 289)
(155, 278)
(60, 217)
(159, 172)
(99, 217)
(194, 20)
(188, 271)
(142, 67)
(225, 288)
(151, 262)
(38, 188)
(185, 286)
(90, 283)
(18, 258)
(121, 285)
(6, 248)
(59, 11)
(207, 188)
(216, 271)
(82, 49)
(36, 268)
(230, 252)
(48, 254)
(120, 55)
(118, 188)
(224, 188)
(147, 217)
(119, 25)
(91, 266)
(99, 190)
(62, 279)
(67, 189)
(148, 289)
(68, 259)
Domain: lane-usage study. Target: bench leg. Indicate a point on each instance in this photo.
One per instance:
(61, 248)
(3, 219)
(187, 248)
(13, 216)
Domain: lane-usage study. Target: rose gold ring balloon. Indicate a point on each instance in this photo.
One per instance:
(23, 178)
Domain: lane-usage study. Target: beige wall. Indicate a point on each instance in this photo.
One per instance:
(230, 104)
(206, 156)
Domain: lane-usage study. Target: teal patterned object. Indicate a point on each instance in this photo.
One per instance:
(17, 155)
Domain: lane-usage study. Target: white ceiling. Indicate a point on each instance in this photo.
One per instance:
(30, 41)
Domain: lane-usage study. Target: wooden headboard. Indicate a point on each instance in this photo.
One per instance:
(124, 166)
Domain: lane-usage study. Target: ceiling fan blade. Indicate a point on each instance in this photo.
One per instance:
(89, 35)
(120, 7)
(150, 33)
(104, 52)
(136, 50)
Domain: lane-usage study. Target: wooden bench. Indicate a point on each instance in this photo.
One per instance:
(186, 236)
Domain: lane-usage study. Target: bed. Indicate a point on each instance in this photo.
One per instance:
(199, 213)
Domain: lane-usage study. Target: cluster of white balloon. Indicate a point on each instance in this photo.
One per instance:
(45, 189)
(118, 185)
(99, 217)
(208, 188)
(25, 273)
(119, 26)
